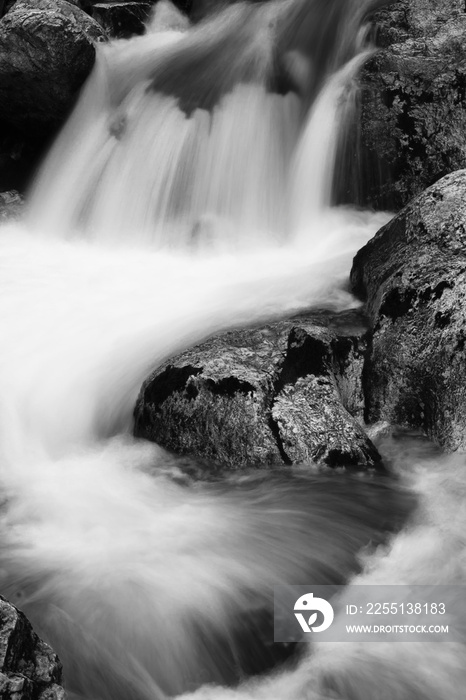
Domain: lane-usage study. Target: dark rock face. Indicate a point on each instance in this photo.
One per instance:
(46, 53)
(284, 393)
(414, 100)
(11, 205)
(413, 274)
(29, 669)
(122, 19)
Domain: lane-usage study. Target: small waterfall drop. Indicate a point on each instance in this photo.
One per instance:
(186, 138)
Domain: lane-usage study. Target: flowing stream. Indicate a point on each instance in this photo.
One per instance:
(191, 192)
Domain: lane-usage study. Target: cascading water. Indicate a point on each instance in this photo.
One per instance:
(172, 206)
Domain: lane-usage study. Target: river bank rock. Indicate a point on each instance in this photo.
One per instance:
(29, 669)
(284, 393)
(414, 100)
(413, 274)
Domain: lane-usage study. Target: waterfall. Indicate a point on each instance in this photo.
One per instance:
(191, 138)
(189, 193)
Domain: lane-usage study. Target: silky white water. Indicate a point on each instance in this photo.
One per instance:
(155, 222)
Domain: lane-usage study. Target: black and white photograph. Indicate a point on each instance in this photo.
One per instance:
(232, 350)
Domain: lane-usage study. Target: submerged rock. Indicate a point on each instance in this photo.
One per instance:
(284, 393)
(414, 100)
(11, 205)
(46, 53)
(29, 669)
(413, 274)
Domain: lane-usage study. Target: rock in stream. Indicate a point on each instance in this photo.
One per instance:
(413, 275)
(284, 393)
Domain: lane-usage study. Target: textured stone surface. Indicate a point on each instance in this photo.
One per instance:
(29, 669)
(413, 274)
(46, 53)
(414, 99)
(11, 205)
(288, 392)
(122, 19)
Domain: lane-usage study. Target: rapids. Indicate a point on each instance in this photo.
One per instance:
(191, 192)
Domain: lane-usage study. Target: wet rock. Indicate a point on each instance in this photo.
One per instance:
(122, 19)
(11, 205)
(46, 52)
(29, 669)
(284, 393)
(413, 100)
(413, 274)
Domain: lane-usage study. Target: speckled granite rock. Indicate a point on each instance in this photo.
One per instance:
(283, 393)
(414, 100)
(29, 669)
(413, 274)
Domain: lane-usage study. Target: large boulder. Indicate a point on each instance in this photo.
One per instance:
(29, 669)
(46, 52)
(289, 392)
(413, 274)
(414, 100)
